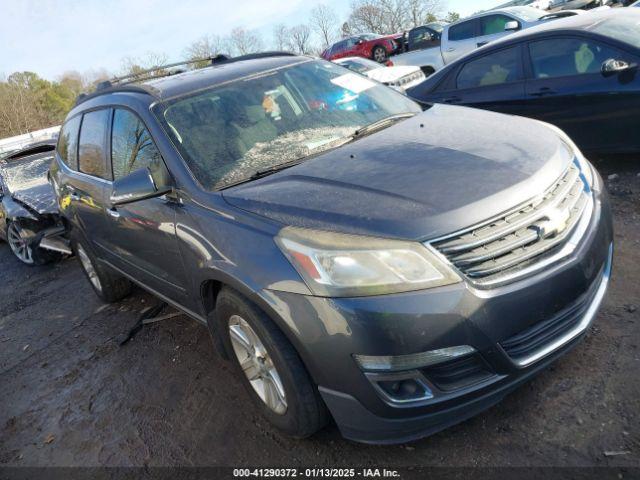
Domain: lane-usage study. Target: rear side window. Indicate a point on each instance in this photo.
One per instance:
(131, 145)
(91, 156)
(463, 31)
(562, 57)
(68, 143)
(493, 69)
(492, 24)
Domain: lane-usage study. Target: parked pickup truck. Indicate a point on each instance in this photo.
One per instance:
(466, 35)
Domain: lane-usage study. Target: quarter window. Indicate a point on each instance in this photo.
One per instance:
(493, 69)
(131, 145)
(462, 31)
(562, 57)
(91, 154)
(68, 143)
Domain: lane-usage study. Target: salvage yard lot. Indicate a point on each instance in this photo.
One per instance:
(71, 396)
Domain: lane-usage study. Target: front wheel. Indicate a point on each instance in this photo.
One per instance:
(269, 366)
(19, 238)
(379, 54)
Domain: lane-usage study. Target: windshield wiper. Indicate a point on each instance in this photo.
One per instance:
(383, 122)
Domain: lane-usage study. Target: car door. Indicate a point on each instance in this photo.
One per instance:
(85, 190)
(142, 235)
(460, 39)
(494, 81)
(567, 88)
(423, 37)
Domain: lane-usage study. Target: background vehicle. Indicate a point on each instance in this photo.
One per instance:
(368, 45)
(305, 215)
(399, 78)
(579, 73)
(466, 35)
(425, 36)
(28, 206)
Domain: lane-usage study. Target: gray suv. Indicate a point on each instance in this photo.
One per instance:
(353, 255)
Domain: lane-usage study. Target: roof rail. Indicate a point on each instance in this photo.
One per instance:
(106, 87)
(124, 83)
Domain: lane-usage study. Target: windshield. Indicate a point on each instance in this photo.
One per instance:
(436, 26)
(625, 29)
(528, 14)
(360, 65)
(229, 133)
(26, 173)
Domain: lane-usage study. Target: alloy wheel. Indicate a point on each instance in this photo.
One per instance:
(88, 267)
(18, 241)
(257, 364)
(379, 55)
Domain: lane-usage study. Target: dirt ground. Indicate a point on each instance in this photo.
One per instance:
(69, 395)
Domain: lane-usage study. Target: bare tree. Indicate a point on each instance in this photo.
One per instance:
(207, 46)
(299, 37)
(243, 42)
(136, 66)
(391, 16)
(325, 23)
(280, 36)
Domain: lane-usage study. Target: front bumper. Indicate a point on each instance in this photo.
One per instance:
(328, 332)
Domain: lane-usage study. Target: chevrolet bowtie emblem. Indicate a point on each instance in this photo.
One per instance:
(554, 222)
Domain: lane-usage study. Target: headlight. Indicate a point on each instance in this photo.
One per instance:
(340, 265)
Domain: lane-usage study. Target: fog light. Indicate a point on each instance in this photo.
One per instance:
(404, 390)
(395, 363)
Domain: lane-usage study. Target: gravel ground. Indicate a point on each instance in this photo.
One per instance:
(69, 395)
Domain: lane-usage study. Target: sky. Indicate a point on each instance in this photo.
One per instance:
(50, 37)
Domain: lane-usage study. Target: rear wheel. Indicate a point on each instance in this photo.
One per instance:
(19, 237)
(379, 54)
(108, 285)
(269, 366)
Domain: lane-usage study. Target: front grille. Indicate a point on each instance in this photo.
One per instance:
(459, 373)
(517, 239)
(536, 337)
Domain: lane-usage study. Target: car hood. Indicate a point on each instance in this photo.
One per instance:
(390, 74)
(438, 172)
(40, 198)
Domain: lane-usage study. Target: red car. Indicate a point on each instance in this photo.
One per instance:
(367, 45)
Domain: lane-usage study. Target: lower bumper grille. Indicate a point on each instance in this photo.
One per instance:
(519, 238)
(526, 344)
(459, 373)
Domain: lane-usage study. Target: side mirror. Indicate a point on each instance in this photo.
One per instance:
(512, 26)
(360, 42)
(138, 185)
(612, 66)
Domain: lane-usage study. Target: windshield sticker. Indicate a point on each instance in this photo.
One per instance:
(353, 82)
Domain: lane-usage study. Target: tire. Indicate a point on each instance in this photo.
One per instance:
(16, 232)
(303, 412)
(107, 284)
(379, 54)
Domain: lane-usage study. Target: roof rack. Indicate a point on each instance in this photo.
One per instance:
(125, 82)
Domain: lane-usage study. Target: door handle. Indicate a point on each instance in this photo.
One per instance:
(113, 213)
(452, 100)
(450, 49)
(543, 92)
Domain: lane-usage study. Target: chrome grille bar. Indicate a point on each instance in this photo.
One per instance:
(486, 251)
